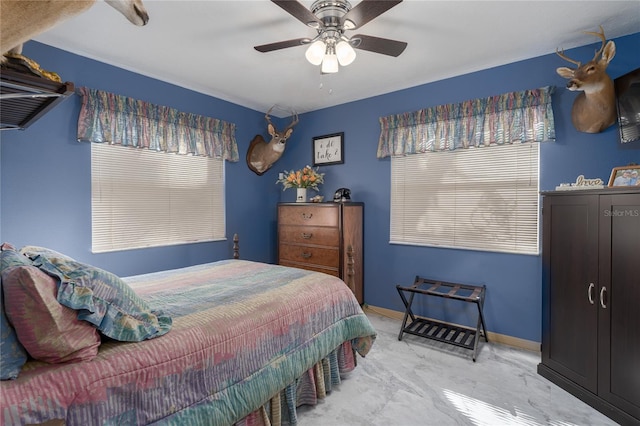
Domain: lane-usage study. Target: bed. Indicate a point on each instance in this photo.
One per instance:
(248, 343)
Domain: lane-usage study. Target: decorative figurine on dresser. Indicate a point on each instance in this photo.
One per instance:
(324, 237)
(590, 297)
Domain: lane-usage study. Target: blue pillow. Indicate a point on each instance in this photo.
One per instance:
(104, 300)
(13, 353)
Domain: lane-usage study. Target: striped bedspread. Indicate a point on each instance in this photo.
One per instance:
(242, 332)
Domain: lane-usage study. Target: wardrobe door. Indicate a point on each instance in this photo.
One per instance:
(570, 273)
(619, 308)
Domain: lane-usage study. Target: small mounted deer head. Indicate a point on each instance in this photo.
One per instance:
(261, 155)
(595, 108)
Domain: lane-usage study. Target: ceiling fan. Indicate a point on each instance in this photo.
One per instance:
(331, 18)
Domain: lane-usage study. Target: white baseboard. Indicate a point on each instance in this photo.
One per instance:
(516, 342)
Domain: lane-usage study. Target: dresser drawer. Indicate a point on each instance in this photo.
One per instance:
(308, 215)
(314, 235)
(310, 255)
(326, 270)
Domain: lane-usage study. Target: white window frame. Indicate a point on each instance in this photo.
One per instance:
(478, 198)
(142, 198)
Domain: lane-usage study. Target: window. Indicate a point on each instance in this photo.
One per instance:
(477, 198)
(142, 198)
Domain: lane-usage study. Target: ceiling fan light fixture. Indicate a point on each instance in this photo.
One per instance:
(345, 53)
(315, 52)
(330, 62)
(331, 48)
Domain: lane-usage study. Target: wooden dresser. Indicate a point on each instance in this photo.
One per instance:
(324, 237)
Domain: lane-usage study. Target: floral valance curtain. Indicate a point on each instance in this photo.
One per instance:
(110, 118)
(525, 116)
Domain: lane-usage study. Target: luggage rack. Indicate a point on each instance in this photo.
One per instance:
(464, 337)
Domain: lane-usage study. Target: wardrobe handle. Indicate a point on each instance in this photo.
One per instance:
(307, 216)
(590, 292)
(603, 294)
(306, 236)
(305, 255)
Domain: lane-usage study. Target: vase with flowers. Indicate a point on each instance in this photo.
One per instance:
(302, 179)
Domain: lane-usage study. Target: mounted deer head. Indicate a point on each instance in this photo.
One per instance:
(595, 108)
(261, 155)
(22, 20)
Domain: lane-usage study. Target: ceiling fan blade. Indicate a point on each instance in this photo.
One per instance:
(365, 11)
(281, 45)
(298, 11)
(378, 45)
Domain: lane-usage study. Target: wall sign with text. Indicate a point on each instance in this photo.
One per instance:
(328, 149)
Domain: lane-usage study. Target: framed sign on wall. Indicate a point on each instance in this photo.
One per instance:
(328, 149)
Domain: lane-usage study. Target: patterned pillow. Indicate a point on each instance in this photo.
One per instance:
(104, 300)
(34, 251)
(48, 331)
(13, 353)
(9, 258)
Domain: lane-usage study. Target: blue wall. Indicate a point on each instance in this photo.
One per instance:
(45, 198)
(46, 174)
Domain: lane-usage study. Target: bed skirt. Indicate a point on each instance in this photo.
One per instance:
(314, 384)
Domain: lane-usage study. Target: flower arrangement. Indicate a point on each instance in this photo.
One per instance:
(303, 178)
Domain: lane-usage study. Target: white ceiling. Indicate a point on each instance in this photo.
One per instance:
(207, 46)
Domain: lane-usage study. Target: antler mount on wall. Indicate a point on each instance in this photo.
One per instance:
(262, 154)
(594, 109)
(331, 18)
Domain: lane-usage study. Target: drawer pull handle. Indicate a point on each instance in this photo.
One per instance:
(305, 255)
(603, 296)
(590, 292)
(306, 236)
(307, 216)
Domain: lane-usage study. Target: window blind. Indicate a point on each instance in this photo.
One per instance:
(142, 198)
(476, 198)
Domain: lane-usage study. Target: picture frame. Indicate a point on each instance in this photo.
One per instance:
(625, 176)
(328, 149)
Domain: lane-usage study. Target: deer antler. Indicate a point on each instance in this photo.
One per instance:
(294, 121)
(266, 116)
(601, 36)
(566, 58)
